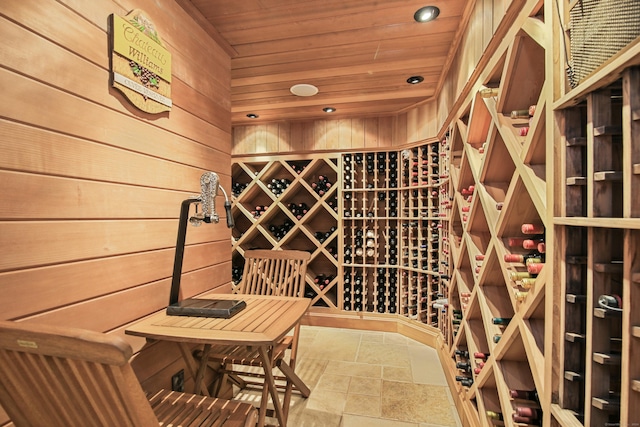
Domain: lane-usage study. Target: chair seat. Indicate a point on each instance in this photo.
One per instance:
(183, 409)
(243, 355)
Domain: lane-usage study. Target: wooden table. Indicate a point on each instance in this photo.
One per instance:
(264, 321)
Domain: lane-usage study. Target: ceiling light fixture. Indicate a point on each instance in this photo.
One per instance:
(304, 89)
(414, 80)
(252, 116)
(328, 109)
(426, 14)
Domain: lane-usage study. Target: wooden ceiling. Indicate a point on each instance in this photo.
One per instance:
(358, 53)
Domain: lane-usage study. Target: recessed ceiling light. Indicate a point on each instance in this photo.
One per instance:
(426, 14)
(252, 116)
(414, 80)
(328, 109)
(303, 89)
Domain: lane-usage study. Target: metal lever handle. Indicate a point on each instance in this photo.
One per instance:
(227, 208)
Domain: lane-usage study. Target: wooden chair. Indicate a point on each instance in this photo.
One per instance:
(52, 376)
(266, 272)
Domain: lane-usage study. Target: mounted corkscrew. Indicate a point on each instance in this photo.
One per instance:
(209, 185)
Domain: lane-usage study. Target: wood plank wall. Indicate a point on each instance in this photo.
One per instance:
(91, 187)
(318, 135)
(420, 123)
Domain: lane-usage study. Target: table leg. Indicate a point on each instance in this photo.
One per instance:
(271, 384)
(196, 371)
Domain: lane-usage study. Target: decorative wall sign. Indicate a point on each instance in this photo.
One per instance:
(140, 64)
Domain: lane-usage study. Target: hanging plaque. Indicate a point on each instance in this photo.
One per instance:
(140, 64)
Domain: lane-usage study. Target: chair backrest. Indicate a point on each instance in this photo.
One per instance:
(52, 376)
(274, 272)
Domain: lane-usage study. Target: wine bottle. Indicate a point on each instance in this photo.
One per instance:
(525, 411)
(532, 229)
(463, 366)
(520, 114)
(491, 92)
(524, 394)
(534, 268)
(520, 295)
(522, 258)
(494, 415)
(462, 353)
(518, 275)
(525, 283)
(481, 355)
(501, 320)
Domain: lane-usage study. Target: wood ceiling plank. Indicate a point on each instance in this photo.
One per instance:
(367, 69)
(314, 10)
(340, 56)
(346, 38)
(374, 22)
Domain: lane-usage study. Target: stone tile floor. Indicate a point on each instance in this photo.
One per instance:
(365, 378)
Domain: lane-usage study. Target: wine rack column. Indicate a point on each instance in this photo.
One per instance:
(420, 235)
(630, 381)
(600, 254)
(443, 201)
(370, 232)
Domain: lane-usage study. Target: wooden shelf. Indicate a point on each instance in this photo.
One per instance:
(573, 376)
(574, 337)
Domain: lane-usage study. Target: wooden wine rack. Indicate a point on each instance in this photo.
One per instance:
(384, 255)
(316, 231)
(598, 224)
(391, 231)
(572, 167)
(497, 159)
